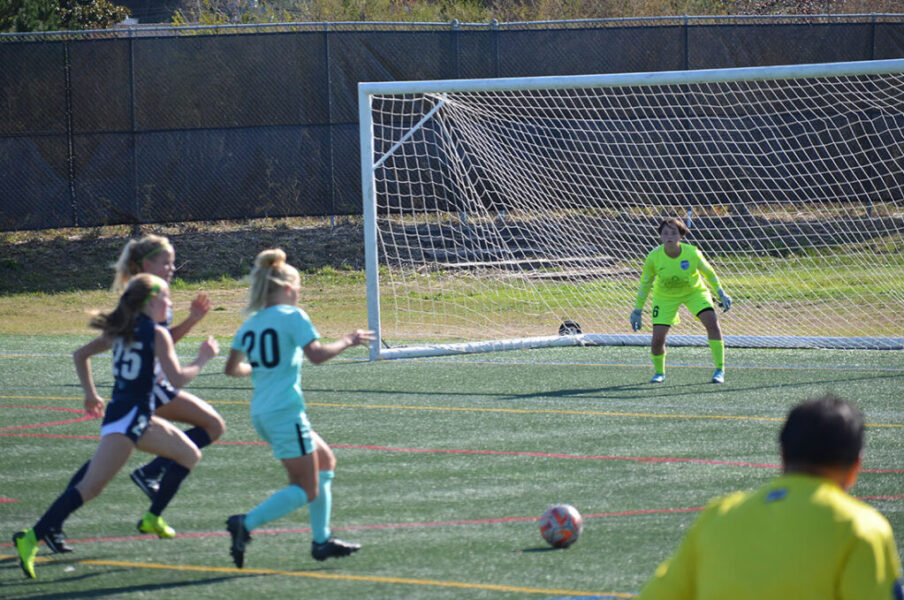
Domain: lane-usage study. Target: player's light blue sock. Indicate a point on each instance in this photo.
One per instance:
(321, 508)
(278, 505)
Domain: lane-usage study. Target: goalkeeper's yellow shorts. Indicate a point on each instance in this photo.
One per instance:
(665, 310)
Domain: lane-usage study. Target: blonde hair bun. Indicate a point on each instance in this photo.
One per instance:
(269, 259)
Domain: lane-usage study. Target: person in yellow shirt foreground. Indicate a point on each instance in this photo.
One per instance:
(799, 537)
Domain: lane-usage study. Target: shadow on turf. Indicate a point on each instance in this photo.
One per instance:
(539, 549)
(693, 389)
(643, 387)
(24, 583)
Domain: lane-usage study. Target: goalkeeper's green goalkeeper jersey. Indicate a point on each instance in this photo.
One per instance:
(674, 277)
(799, 537)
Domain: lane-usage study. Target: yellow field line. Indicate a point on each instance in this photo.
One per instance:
(517, 411)
(38, 398)
(530, 411)
(570, 412)
(341, 577)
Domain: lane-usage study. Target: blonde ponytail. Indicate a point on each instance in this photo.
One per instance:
(132, 256)
(271, 272)
(121, 322)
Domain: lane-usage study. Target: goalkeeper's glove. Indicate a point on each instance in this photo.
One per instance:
(636, 319)
(724, 301)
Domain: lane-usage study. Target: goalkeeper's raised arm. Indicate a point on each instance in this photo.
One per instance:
(675, 272)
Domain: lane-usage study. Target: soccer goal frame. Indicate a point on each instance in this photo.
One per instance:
(855, 218)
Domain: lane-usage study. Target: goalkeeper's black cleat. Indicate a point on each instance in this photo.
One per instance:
(240, 538)
(333, 548)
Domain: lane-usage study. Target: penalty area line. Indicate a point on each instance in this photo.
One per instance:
(341, 577)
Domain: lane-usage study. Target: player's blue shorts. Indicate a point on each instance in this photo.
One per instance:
(665, 310)
(163, 392)
(287, 432)
(127, 418)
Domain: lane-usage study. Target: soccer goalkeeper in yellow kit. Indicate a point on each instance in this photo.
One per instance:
(673, 271)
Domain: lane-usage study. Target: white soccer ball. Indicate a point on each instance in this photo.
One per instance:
(561, 525)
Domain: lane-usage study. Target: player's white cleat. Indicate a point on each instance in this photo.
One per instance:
(658, 378)
(719, 376)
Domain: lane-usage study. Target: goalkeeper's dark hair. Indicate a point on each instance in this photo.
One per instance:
(674, 222)
(121, 322)
(823, 432)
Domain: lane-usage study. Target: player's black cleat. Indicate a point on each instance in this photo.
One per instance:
(56, 541)
(240, 538)
(149, 485)
(333, 548)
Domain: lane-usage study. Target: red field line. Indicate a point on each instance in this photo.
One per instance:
(57, 408)
(454, 523)
(642, 459)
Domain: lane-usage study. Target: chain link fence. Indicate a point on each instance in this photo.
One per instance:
(154, 125)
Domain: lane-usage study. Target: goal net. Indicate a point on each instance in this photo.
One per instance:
(515, 213)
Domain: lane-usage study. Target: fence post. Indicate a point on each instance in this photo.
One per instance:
(687, 51)
(872, 34)
(136, 201)
(494, 25)
(331, 190)
(456, 50)
(70, 142)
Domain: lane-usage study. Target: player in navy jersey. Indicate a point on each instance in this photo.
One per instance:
(138, 343)
(269, 347)
(155, 255)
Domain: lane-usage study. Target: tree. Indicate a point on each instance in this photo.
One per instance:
(59, 15)
(29, 15)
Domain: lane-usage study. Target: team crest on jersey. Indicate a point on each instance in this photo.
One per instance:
(685, 265)
(776, 495)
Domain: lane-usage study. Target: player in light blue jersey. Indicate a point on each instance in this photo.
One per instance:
(138, 343)
(269, 347)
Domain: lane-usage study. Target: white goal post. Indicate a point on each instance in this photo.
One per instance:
(516, 213)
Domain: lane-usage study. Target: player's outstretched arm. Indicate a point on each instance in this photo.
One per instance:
(200, 306)
(318, 352)
(165, 351)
